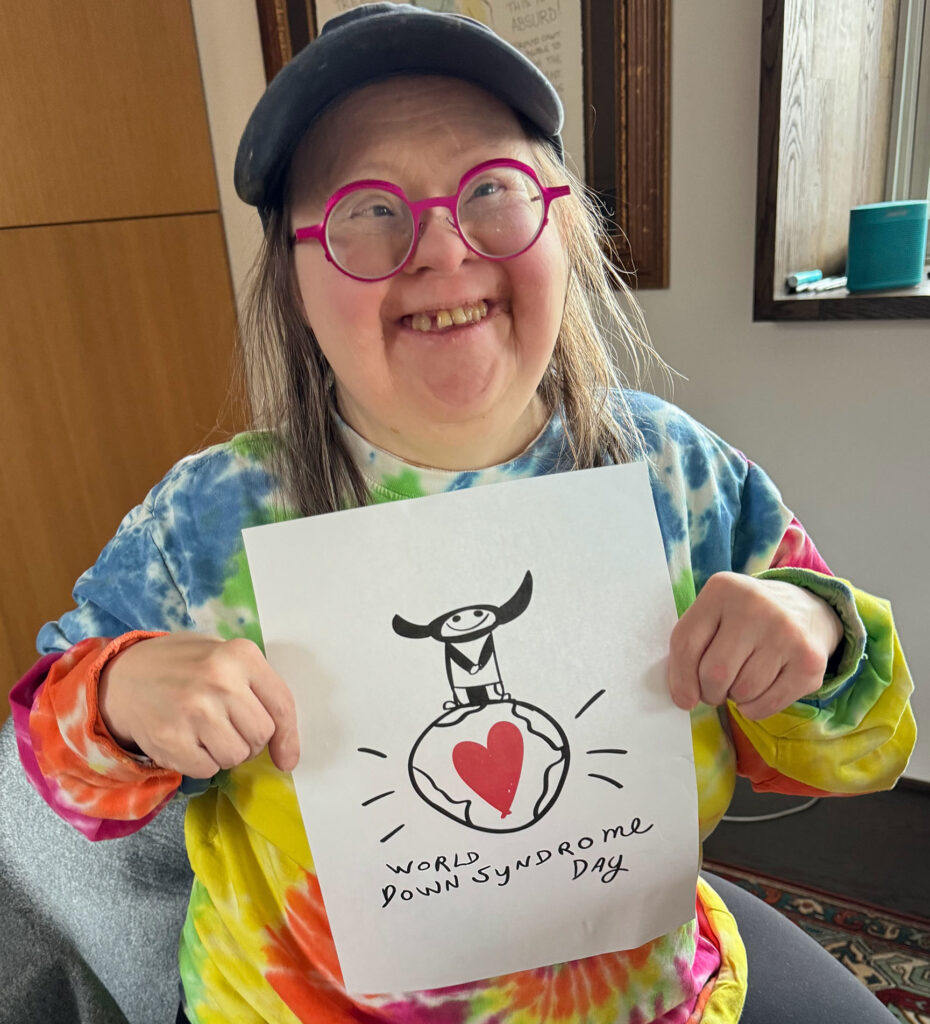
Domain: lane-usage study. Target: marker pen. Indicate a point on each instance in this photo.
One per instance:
(803, 277)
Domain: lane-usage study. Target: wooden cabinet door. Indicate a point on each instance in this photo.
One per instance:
(115, 350)
(117, 321)
(102, 113)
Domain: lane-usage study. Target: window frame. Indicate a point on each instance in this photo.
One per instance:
(908, 175)
(911, 303)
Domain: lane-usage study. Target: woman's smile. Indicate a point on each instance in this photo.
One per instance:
(445, 319)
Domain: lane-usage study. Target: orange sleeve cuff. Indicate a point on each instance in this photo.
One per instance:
(74, 749)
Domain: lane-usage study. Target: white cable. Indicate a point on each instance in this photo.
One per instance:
(777, 814)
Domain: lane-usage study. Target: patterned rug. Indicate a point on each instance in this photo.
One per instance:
(887, 951)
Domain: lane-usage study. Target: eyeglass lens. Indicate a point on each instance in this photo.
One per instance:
(370, 232)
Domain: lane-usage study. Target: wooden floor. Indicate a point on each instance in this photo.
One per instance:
(873, 848)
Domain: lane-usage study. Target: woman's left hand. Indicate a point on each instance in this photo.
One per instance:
(762, 644)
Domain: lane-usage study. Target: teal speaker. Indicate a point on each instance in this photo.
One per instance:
(887, 245)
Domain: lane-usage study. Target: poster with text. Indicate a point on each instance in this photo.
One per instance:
(546, 31)
(493, 776)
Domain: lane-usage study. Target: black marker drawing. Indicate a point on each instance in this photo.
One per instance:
(468, 637)
(491, 762)
(391, 834)
(588, 703)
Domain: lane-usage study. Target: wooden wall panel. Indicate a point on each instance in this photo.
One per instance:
(838, 63)
(116, 344)
(102, 113)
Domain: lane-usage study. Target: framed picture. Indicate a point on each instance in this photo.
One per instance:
(623, 87)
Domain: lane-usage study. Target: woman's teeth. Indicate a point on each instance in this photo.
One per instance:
(470, 313)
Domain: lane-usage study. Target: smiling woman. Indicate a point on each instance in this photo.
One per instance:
(156, 685)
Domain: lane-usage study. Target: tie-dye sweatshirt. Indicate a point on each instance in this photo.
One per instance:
(256, 945)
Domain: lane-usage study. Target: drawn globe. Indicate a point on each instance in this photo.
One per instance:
(496, 767)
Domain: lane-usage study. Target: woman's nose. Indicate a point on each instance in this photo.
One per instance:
(439, 245)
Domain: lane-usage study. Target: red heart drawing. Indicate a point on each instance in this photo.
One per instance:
(493, 772)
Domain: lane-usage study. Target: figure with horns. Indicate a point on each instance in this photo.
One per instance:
(468, 636)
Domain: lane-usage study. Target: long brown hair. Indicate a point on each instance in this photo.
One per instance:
(290, 383)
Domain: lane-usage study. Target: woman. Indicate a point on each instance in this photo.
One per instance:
(430, 311)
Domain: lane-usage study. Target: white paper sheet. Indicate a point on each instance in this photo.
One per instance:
(546, 31)
(453, 840)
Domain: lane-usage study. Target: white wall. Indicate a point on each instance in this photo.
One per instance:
(838, 413)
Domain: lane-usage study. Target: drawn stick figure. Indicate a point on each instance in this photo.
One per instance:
(467, 635)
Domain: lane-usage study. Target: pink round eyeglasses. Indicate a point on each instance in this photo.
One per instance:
(370, 228)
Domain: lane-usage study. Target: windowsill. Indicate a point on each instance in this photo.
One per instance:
(841, 304)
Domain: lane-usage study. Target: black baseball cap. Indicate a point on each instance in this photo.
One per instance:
(369, 44)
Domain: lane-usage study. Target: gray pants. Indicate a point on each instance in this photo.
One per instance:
(791, 978)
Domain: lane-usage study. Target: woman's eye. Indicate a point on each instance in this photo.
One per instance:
(486, 189)
(373, 209)
(369, 204)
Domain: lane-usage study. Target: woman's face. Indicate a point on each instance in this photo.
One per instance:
(454, 397)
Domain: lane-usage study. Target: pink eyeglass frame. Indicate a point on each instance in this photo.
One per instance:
(318, 231)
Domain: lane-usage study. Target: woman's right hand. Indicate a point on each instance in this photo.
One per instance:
(196, 704)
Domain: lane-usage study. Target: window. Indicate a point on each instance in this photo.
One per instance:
(908, 174)
(829, 101)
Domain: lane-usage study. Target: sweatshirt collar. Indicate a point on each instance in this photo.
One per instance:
(390, 477)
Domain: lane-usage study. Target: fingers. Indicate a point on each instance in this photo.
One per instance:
(272, 719)
(197, 705)
(758, 673)
(264, 715)
(798, 678)
(194, 762)
(219, 742)
(178, 749)
(278, 704)
(723, 662)
(284, 749)
(706, 670)
(252, 725)
(768, 700)
(692, 635)
(751, 642)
